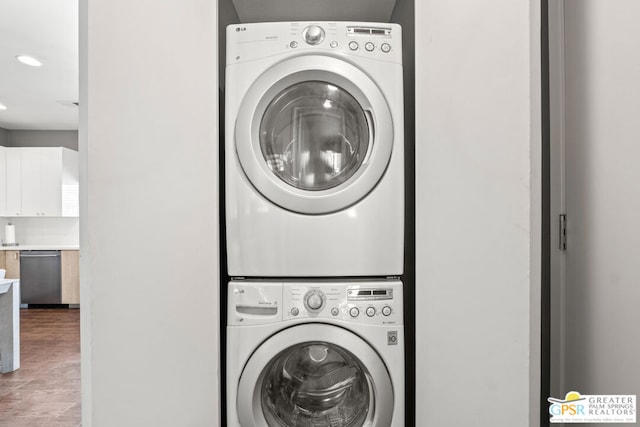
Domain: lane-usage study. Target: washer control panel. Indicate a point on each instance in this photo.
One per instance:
(246, 42)
(372, 302)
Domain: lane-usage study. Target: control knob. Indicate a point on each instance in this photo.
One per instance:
(314, 300)
(313, 34)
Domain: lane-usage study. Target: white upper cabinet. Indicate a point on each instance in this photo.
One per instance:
(12, 176)
(44, 182)
(3, 182)
(30, 178)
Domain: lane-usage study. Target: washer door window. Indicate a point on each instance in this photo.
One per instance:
(314, 134)
(315, 383)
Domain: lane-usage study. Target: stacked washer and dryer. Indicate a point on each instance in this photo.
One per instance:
(314, 172)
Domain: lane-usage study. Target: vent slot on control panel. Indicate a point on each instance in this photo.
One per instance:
(369, 31)
(369, 294)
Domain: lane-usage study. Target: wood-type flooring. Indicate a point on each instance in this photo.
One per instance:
(45, 391)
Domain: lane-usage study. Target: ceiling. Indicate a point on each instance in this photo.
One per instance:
(39, 97)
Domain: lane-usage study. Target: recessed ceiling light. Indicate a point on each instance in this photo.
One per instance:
(2, 107)
(29, 60)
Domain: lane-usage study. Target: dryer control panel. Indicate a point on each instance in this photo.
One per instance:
(246, 42)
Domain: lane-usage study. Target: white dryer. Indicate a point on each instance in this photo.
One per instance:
(315, 354)
(314, 149)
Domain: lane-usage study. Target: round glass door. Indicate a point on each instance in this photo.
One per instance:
(335, 380)
(314, 135)
(315, 384)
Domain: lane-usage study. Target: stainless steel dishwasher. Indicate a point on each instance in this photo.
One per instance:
(40, 280)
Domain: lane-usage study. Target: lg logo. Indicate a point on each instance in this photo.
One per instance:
(238, 29)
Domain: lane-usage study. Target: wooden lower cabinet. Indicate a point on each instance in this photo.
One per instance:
(70, 272)
(12, 264)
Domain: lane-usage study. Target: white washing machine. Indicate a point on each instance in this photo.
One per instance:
(314, 149)
(315, 354)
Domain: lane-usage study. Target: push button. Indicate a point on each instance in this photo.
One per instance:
(354, 312)
(371, 311)
(293, 44)
(353, 45)
(369, 46)
(386, 47)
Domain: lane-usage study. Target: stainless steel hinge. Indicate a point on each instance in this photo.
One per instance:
(563, 232)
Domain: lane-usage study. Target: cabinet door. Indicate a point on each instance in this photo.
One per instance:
(70, 183)
(41, 181)
(70, 271)
(14, 177)
(30, 180)
(50, 182)
(12, 264)
(3, 182)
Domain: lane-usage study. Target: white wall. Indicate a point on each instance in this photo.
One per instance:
(602, 196)
(478, 203)
(148, 142)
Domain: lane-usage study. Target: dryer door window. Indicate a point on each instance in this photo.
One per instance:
(337, 379)
(314, 135)
(316, 383)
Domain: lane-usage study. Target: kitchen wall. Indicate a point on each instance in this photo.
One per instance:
(42, 138)
(4, 137)
(47, 231)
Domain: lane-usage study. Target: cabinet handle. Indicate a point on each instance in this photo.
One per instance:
(15, 255)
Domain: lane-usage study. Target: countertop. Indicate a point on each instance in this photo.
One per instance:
(40, 248)
(5, 284)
